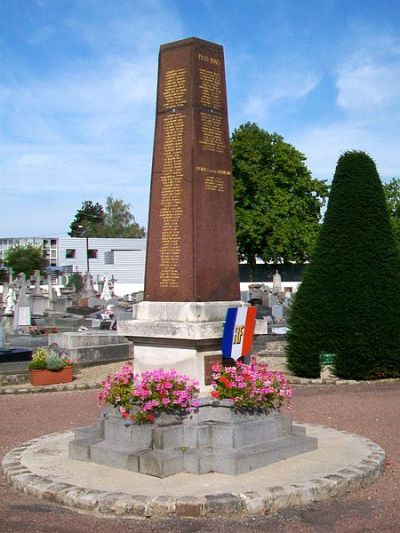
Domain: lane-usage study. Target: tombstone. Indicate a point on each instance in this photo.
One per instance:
(2, 336)
(38, 302)
(277, 313)
(4, 294)
(22, 314)
(192, 273)
(37, 290)
(106, 293)
(277, 283)
(273, 299)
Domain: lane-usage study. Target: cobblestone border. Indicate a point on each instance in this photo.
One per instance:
(274, 499)
(24, 389)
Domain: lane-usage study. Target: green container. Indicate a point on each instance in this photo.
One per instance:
(327, 358)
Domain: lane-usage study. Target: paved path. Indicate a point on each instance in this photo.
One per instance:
(370, 410)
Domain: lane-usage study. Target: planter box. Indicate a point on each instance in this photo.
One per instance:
(51, 377)
(213, 439)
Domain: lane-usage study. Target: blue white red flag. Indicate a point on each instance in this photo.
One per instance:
(238, 332)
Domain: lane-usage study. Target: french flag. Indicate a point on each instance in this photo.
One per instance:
(238, 332)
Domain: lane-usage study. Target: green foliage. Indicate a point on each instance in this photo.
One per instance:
(37, 365)
(349, 301)
(55, 362)
(119, 221)
(87, 220)
(116, 220)
(39, 359)
(75, 280)
(392, 193)
(25, 259)
(277, 202)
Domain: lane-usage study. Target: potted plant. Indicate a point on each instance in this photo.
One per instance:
(142, 399)
(49, 368)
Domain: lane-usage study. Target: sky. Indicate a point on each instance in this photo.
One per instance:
(78, 91)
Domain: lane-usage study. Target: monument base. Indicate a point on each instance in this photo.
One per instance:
(179, 335)
(213, 439)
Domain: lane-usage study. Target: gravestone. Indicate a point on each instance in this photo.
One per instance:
(37, 300)
(22, 315)
(192, 273)
(277, 313)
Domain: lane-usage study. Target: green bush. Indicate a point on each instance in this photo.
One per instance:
(37, 364)
(55, 362)
(349, 301)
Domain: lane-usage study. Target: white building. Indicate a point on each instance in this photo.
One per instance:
(124, 259)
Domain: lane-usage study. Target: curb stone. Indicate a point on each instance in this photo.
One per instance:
(249, 503)
(77, 385)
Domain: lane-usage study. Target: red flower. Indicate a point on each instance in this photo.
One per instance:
(132, 417)
(215, 394)
(124, 415)
(150, 417)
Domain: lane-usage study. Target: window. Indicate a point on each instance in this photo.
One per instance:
(92, 254)
(69, 253)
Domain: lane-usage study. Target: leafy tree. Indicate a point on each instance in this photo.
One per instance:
(88, 219)
(277, 202)
(115, 221)
(392, 193)
(119, 221)
(25, 259)
(349, 301)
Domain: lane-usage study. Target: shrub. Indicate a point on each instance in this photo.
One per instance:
(43, 359)
(349, 301)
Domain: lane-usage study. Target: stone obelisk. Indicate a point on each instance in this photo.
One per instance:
(191, 262)
(191, 250)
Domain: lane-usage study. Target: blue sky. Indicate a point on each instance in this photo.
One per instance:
(78, 87)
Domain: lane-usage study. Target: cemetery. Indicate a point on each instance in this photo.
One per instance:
(196, 422)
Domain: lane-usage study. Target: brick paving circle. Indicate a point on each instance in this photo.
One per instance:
(371, 410)
(345, 478)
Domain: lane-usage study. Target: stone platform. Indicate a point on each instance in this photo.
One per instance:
(343, 463)
(212, 439)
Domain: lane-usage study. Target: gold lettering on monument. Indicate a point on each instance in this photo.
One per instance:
(214, 171)
(209, 59)
(211, 130)
(171, 208)
(214, 183)
(175, 88)
(210, 87)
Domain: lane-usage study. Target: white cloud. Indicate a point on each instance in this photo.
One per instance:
(368, 88)
(324, 144)
(286, 86)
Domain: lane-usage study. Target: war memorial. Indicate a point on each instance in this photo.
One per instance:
(216, 462)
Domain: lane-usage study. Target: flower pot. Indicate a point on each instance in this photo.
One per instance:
(51, 377)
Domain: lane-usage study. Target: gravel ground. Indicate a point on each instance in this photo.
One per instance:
(370, 410)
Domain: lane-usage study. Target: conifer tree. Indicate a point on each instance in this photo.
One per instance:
(349, 301)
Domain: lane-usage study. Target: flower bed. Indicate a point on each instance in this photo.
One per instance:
(250, 388)
(142, 398)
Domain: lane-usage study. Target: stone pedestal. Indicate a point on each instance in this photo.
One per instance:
(213, 439)
(184, 336)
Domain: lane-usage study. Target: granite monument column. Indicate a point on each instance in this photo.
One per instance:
(192, 273)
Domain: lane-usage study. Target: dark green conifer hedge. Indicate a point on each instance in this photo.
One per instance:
(349, 301)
